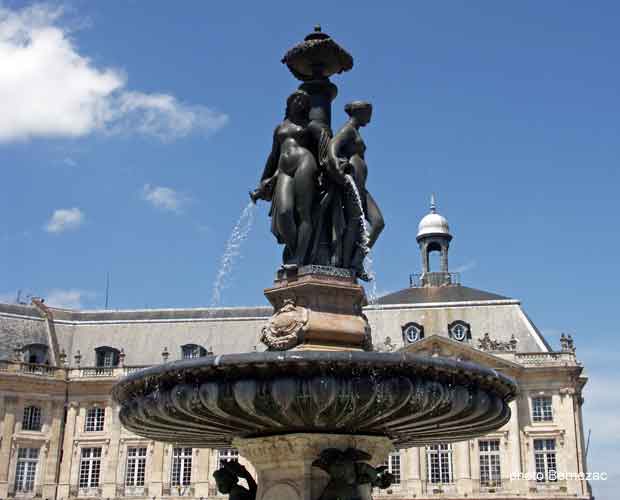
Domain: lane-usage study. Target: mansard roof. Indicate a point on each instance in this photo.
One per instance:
(430, 294)
(161, 314)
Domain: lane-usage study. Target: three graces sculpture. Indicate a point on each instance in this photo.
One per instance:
(321, 210)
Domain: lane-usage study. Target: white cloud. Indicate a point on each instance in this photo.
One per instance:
(162, 116)
(65, 219)
(68, 161)
(66, 299)
(468, 266)
(49, 89)
(164, 198)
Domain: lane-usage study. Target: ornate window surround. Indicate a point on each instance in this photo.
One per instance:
(107, 357)
(467, 327)
(191, 351)
(408, 325)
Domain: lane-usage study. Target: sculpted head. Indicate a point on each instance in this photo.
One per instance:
(298, 104)
(360, 110)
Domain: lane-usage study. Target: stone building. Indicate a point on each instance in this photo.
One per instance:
(60, 436)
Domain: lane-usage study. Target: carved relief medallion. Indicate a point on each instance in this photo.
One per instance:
(284, 328)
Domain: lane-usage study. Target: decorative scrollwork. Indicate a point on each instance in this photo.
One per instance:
(284, 328)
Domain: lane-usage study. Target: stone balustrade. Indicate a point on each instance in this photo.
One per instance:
(545, 358)
(64, 373)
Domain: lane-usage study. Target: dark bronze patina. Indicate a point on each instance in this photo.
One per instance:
(350, 477)
(227, 480)
(412, 399)
(317, 212)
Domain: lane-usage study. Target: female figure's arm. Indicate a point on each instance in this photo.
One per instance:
(265, 187)
(338, 161)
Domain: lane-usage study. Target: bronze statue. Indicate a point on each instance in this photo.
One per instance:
(320, 207)
(289, 181)
(227, 479)
(346, 158)
(350, 478)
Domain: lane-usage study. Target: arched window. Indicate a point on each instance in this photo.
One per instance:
(189, 351)
(412, 332)
(106, 357)
(433, 253)
(32, 419)
(36, 354)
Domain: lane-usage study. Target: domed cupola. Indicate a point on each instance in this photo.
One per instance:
(434, 236)
(433, 224)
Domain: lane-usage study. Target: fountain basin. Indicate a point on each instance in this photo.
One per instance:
(411, 399)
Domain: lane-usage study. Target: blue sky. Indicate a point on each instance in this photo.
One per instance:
(130, 135)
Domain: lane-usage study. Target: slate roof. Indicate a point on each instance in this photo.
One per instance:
(162, 314)
(448, 293)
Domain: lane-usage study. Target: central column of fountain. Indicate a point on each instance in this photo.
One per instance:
(317, 307)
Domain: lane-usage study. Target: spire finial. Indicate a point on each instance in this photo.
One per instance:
(433, 204)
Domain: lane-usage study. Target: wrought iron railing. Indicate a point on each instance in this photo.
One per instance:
(435, 279)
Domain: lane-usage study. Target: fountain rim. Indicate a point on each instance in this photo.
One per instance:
(244, 365)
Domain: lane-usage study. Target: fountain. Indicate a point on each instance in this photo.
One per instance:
(319, 409)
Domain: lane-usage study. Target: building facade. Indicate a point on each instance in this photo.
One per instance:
(60, 436)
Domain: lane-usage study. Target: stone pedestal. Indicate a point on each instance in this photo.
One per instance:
(318, 308)
(283, 464)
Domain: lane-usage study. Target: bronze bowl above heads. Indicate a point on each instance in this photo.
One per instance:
(317, 57)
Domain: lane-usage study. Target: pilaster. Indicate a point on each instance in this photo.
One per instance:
(53, 449)
(412, 473)
(68, 451)
(201, 472)
(462, 461)
(113, 427)
(157, 469)
(6, 445)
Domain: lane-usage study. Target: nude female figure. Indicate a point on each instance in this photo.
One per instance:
(346, 156)
(289, 180)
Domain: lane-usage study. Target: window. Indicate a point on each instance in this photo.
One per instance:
(544, 457)
(90, 468)
(36, 354)
(32, 419)
(459, 330)
(393, 463)
(106, 357)
(490, 469)
(439, 463)
(26, 469)
(95, 417)
(227, 455)
(412, 332)
(190, 351)
(542, 409)
(136, 466)
(181, 467)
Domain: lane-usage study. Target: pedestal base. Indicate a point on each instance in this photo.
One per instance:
(317, 308)
(283, 464)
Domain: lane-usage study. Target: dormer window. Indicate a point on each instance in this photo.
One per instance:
(459, 330)
(412, 332)
(106, 357)
(36, 354)
(190, 351)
